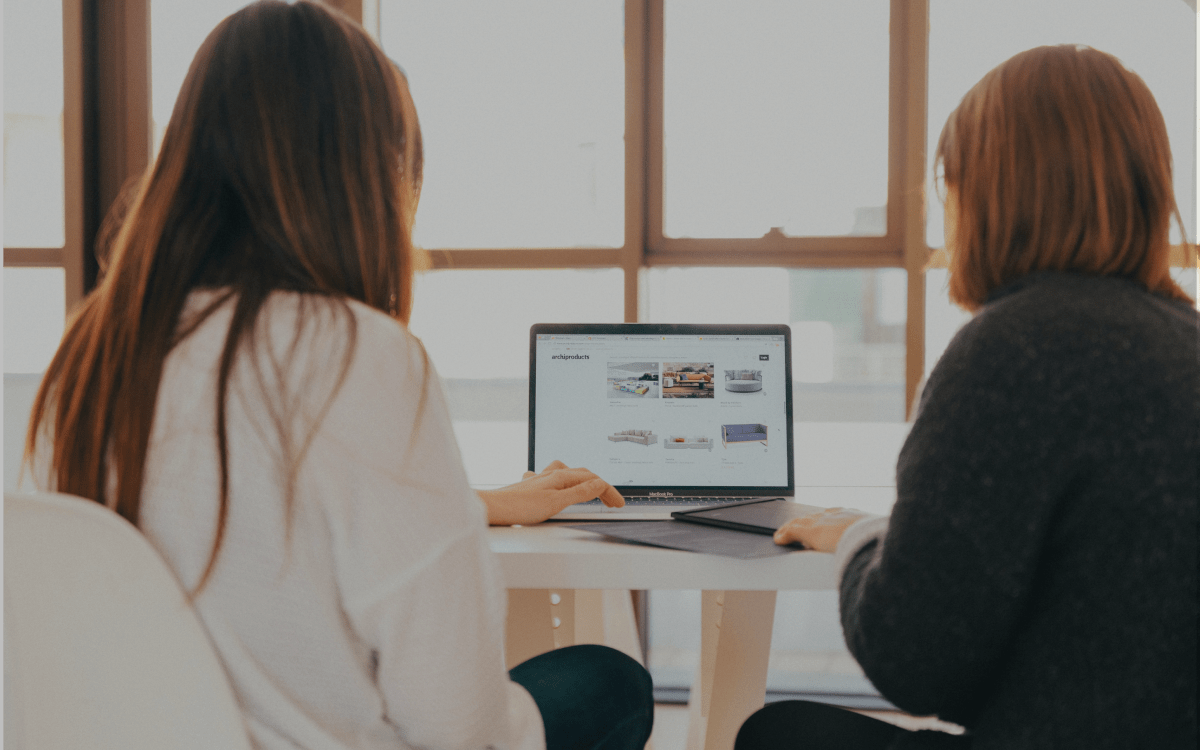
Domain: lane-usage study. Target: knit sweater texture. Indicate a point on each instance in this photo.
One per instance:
(1036, 582)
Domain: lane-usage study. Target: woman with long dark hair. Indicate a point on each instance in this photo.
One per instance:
(1036, 581)
(242, 387)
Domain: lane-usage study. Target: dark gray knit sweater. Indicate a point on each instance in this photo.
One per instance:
(1037, 581)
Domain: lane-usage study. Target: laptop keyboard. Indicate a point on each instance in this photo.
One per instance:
(660, 501)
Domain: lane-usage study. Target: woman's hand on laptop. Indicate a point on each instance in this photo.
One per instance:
(819, 531)
(540, 495)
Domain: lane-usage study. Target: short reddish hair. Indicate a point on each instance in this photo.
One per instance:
(1058, 160)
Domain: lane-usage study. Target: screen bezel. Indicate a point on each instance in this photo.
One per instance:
(674, 329)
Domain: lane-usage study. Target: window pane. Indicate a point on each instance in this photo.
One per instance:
(177, 28)
(33, 134)
(1154, 38)
(775, 115)
(1189, 280)
(942, 317)
(34, 315)
(522, 109)
(847, 329)
(475, 326)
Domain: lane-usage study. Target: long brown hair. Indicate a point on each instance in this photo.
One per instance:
(1058, 160)
(292, 161)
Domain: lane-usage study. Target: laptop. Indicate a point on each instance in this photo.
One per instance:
(674, 416)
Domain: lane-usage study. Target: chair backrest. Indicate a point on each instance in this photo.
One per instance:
(19, 391)
(101, 648)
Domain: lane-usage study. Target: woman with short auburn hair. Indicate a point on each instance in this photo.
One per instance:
(242, 387)
(1036, 582)
(1057, 160)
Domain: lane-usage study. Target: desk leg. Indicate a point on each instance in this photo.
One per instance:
(731, 679)
(620, 624)
(541, 620)
(529, 628)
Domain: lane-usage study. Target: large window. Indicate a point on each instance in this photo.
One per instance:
(34, 193)
(522, 109)
(775, 116)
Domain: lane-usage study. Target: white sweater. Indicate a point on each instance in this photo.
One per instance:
(380, 624)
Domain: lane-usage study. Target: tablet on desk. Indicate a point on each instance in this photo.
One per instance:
(755, 516)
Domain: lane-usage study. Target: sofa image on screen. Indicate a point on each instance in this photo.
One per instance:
(687, 380)
(679, 441)
(642, 437)
(743, 433)
(743, 381)
(698, 380)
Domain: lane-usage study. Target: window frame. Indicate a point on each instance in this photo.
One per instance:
(107, 60)
(106, 130)
(645, 245)
(70, 255)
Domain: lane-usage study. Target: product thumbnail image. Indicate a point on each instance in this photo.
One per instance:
(642, 437)
(743, 381)
(743, 433)
(699, 443)
(688, 380)
(633, 380)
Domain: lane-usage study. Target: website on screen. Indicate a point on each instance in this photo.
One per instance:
(648, 410)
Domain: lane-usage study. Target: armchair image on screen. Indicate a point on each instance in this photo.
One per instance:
(743, 433)
(743, 381)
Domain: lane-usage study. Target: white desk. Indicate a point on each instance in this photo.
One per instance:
(568, 586)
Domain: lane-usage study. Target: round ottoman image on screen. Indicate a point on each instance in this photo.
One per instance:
(743, 381)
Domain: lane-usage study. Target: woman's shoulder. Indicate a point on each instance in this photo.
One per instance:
(1047, 314)
(334, 318)
(1064, 334)
(1051, 300)
(360, 384)
(318, 335)
(317, 353)
(284, 314)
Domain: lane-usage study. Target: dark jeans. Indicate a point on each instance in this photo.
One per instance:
(816, 726)
(591, 697)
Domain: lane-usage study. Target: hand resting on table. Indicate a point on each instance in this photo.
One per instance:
(539, 496)
(819, 531)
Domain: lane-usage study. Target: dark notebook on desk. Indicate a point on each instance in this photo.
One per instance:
(754, 516)
(689, 537)
(717, 530)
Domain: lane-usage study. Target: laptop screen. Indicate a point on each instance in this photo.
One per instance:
(696, 409)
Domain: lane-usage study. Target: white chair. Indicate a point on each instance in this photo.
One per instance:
(101, 648)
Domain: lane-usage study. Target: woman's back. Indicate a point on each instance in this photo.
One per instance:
(333, 617)
(1039, 581)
